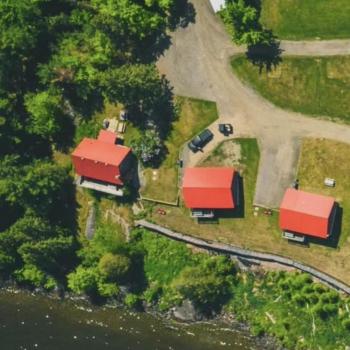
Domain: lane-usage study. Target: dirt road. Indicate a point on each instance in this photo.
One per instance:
(198, 65)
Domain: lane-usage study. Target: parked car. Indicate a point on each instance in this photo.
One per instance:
(226, 129)
(200, 140)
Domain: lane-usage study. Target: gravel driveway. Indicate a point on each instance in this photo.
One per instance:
(198, 65)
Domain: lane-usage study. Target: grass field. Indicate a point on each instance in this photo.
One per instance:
(307, 19)
(314, 86)
(194, 116)
(325, 158)
(260, 232)
(243, 154)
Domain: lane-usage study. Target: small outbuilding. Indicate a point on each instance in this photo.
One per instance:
(101, 163)
(306, 214)
(205, 190)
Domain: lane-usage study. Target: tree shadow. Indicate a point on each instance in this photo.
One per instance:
(265, 56)
(181, 15)
(160, 112)
(64, 211)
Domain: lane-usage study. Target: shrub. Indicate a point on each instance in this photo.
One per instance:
(300, 280)
(325, 311)
(207, 284)
(299, 299)
(331, 297)
(114, 267)
(83, 280)
(149, 147)
(153, 293)
(31, 274)
(107, 289)
(346, 324)
(132, 301)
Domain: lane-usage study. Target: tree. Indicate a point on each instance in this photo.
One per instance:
(207, 284)
(54, 255)
(242, 19)
(137, 86)
(149, 147)
(46, 114)
(114, 267)
(37, 187)
(83, 280)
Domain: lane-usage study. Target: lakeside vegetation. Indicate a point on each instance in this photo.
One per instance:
(162, 273)
(307, 20)
(316, 86)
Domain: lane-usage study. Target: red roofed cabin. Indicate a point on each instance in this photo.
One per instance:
(207, 189)
(101, 163)
(306, 214)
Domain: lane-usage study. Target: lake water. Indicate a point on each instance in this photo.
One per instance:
(36, 322)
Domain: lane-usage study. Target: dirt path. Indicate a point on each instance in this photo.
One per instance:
(198, 65)
(316, 48)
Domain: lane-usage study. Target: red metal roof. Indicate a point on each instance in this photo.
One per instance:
(107, 136)
(306, 213)
(208, 188)
(99, 151)
(99, 159)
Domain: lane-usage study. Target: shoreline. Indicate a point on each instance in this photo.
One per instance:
(168, 319)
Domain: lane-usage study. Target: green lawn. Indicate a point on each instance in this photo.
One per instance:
(326, 158)
(314, 86)
(307, 19)
(318, 160)
(194, 116)
(244, 230)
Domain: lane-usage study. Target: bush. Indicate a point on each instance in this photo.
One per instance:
(87, 129)
(300, 280)
(346, 324)
(114, 267)
(325, 311)
(207, 284)
(83, 280)
(149, 147)
(132, 301)
(107, 290)
(31, 274)
(153, 293)
(299, 299)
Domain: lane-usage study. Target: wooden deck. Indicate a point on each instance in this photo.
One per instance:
(110, 189)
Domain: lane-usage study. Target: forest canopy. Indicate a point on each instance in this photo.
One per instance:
(60, 61)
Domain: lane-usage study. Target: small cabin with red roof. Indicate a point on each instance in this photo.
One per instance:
(102, 164)
(205, 190)
(306, 214)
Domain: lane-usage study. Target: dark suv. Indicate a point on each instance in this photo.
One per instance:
(200, 140)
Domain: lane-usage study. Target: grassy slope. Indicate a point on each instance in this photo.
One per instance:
(314, 86)
(194, 116)
(307, 19)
